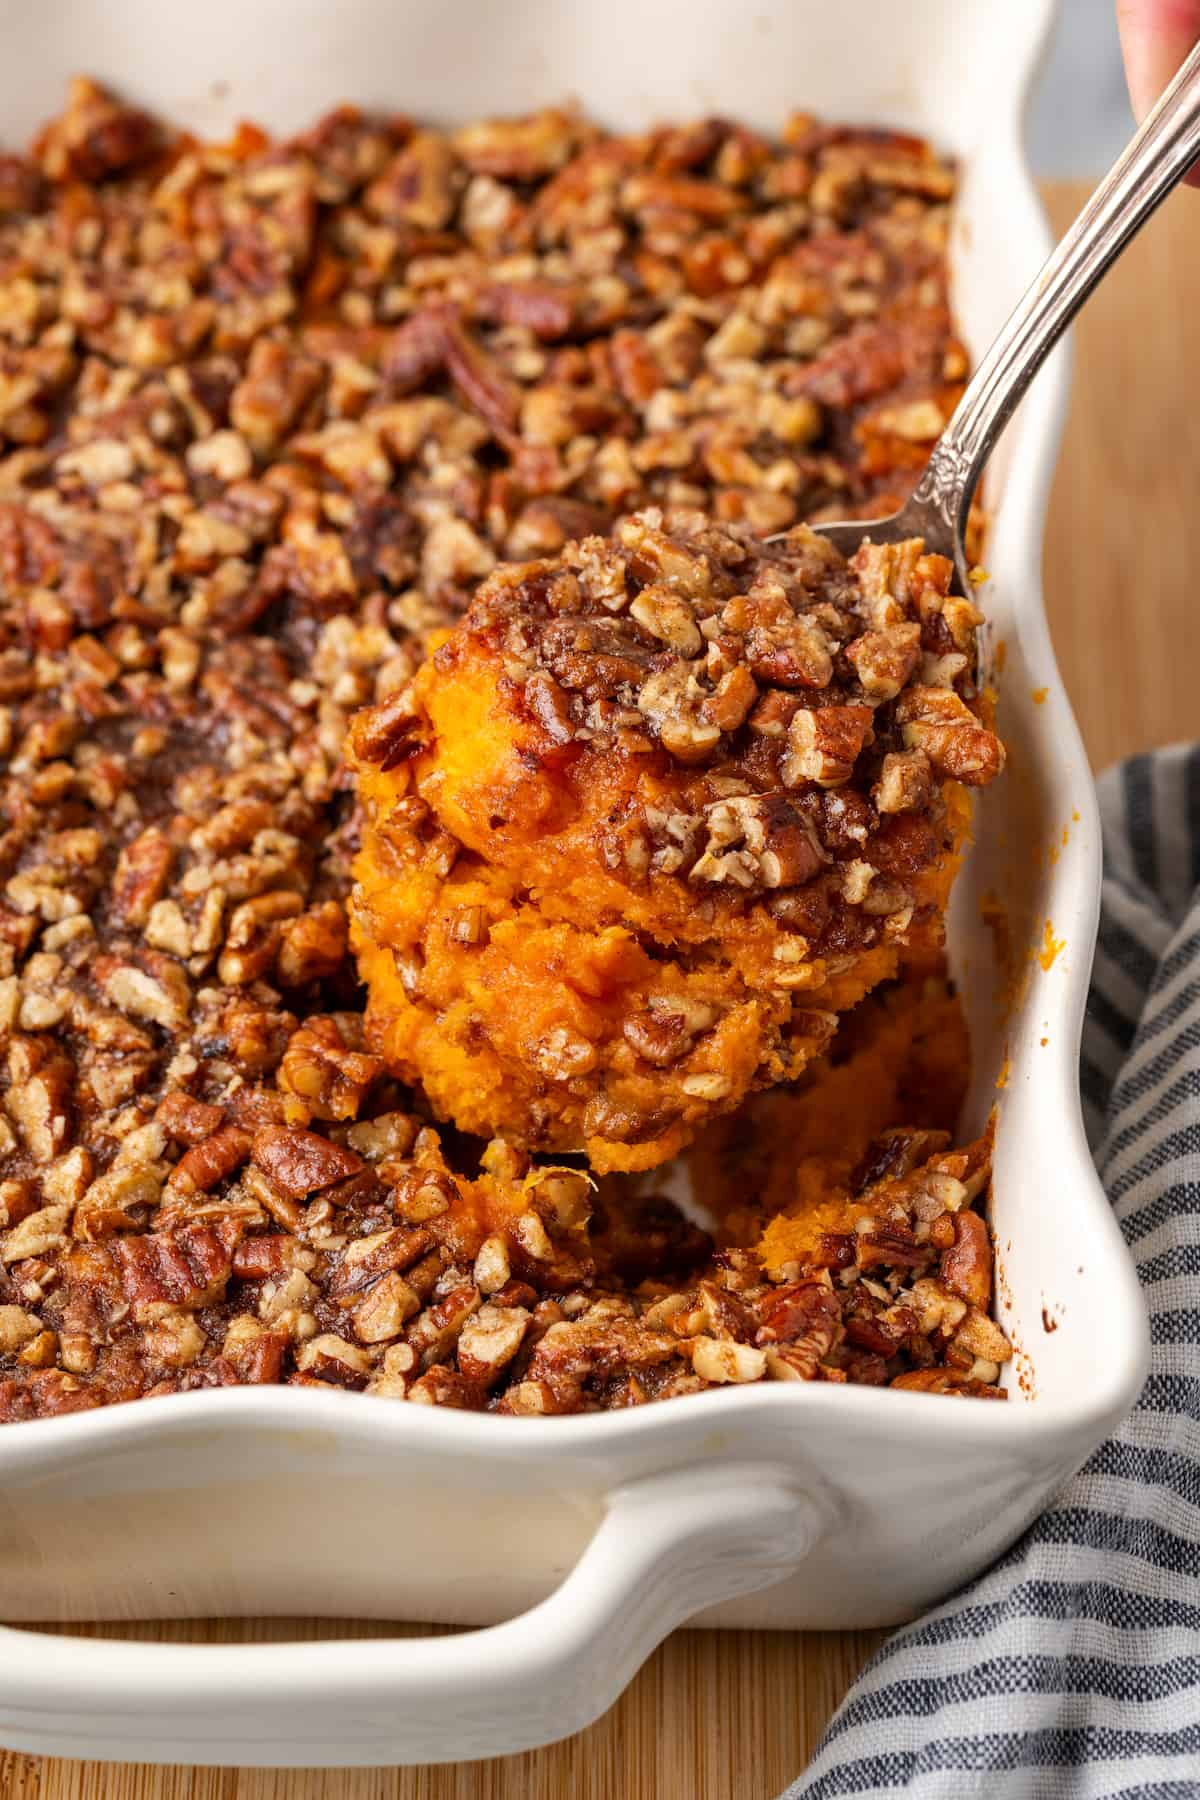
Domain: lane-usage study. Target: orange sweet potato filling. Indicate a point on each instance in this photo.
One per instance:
(786, 1169)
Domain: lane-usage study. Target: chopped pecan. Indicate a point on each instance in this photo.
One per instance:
(884, 660)
(824, 746)
(256, 1353)
(437, 1329)
(783, 647)
(966, 1266)
(142, 872)
(38, 1097)
(484, 386)
(415, 351)
(152, 987)
(716, 1359)
(185, 1268)
(905, 782)
(382, 736)
(95, 137)
(299, 1162)
(276, 387)
(672, 703)
(332, 1358)
(384, 1309)
(320, 1068)
(938, 722)
(419, 186)
(379, 1252)
(732, 700)
(37, 1233)
(206, 1164)
(119, 1200)
(489, 1341)
(312, 946)
(191, 1121)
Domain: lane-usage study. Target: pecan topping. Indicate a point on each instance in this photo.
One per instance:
(272, 416)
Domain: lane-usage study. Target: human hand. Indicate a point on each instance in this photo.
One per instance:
(1156, 35)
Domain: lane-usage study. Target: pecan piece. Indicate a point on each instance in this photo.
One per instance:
(275, 389)
(550, 707)
(188, 1120)
(716, 1359)
(95, 137)
(966, 1267)
(383, 735)
(182, 1269)
(153, 987)
(905, 782)
(490, 1340)
(732, 700)
(270, 1253)
(416, 351)
(39, 1095)
(255, 1352)
(545, 308)
(480, 381)
(384, 1310)
(252, 936)
(207, 1163)
(299, 1162)
(419, 186)
(331, 1358)
(325, 1073)
(312, 946)
(365, 1259)
(436, 1332)
(667, 616)
(884, 660)
(36, 1234)
(784, 648)
(940, 723)
(141, 875)
(823, 746)
(671, 701)
(659, 1037)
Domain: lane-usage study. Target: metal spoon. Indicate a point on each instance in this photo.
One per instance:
(1156, 158)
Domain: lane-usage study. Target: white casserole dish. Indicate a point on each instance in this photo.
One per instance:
(779, 1505)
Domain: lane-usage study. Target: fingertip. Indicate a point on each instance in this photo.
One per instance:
(1156, 36)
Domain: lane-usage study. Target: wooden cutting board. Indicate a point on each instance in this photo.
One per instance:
(735, 1716)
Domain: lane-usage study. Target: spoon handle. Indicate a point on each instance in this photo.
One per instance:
(1154, 160)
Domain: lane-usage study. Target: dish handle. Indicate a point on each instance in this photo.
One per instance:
(668, 1546)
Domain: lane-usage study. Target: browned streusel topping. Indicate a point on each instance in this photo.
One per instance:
(444, 350)
(360, 1261)
(267, 413)
(818, 695)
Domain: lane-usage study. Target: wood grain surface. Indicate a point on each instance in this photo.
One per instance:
(735, 1716)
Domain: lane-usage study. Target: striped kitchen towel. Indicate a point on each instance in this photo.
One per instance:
(1071, 1671)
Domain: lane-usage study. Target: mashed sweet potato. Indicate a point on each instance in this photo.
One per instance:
(652, 818)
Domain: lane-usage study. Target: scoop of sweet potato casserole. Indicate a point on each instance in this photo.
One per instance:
(651, 818)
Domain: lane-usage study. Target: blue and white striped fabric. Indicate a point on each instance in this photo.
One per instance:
(1071, 1671)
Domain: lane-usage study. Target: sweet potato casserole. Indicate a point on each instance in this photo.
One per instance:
(477, 436)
